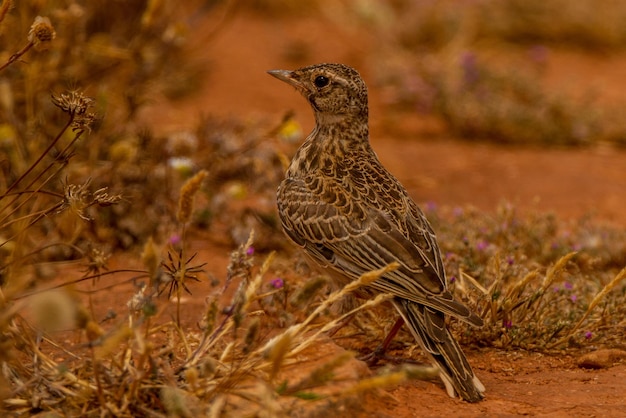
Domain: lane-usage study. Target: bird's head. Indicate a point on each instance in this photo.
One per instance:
(335, 91)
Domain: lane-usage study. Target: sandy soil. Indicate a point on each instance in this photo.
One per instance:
(436, 167)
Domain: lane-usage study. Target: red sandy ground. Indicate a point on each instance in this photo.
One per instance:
(436, 167)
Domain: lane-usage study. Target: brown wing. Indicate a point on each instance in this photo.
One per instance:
(353, 237)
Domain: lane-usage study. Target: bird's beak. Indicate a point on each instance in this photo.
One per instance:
(287, 77)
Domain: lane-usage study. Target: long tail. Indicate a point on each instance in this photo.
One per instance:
(429, 329)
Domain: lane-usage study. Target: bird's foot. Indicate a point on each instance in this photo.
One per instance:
(380, 354)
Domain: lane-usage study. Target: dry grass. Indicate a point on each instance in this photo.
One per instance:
(536, 281)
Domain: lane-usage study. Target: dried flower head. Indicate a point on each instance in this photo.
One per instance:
(75, 102)
(78, 198)
(41, 31)
(75, 198)
(178, 271)
(98, 260)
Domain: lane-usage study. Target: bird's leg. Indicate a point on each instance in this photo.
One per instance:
(379, 352)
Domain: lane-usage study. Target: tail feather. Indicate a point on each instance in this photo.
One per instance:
(429, 329)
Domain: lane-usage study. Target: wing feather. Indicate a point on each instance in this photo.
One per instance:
(352, 245)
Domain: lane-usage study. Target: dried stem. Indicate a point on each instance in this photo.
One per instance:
(17, 55)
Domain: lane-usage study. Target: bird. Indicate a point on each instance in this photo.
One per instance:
(351, 216)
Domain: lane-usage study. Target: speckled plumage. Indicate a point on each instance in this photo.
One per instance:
(351, 216)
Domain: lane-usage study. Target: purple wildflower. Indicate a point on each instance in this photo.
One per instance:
(452, 279)
(538, 54)
(431, 206)
(588, 335)
(470, 69)
(457, 211)
(174, 239)
(510, 260)
(573, 298)
(507, 323)
(482, 245)
(568, 285)
(250, 250)
(277, 283)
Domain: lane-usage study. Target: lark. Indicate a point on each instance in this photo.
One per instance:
(351, 216)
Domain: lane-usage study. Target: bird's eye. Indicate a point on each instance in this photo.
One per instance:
(321, 81)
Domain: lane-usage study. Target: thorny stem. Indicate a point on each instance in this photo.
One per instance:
(17, 55)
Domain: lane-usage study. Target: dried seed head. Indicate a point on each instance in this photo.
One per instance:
(84, 121)
(192, 376)
(97, 261)
(175, 402)
(151, 259)
(276, 350)
(208, 321)
(208, 366)
(93, 330)
(251, 335)
(41, 31)
(54, 310)
(187, 194)
(74, 103)
(305, 294)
